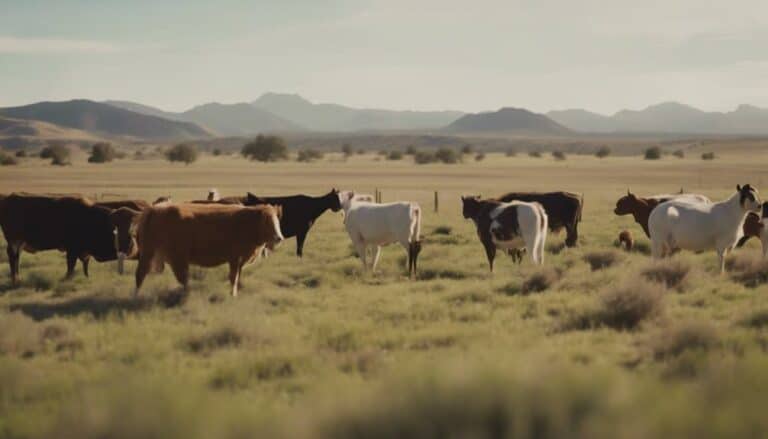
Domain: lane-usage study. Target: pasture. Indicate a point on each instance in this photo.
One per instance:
(597, 343)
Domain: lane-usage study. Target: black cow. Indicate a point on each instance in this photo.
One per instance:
(299, 212)
(563, 210)
(70, 224)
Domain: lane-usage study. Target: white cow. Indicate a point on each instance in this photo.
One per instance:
(519, 224)
(700, 226)
(373, 225)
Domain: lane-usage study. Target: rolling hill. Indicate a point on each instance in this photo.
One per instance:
(20, 133)
(103, 119)
(339, 118)
(508, 120)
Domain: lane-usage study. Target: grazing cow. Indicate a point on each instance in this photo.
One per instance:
(698, 226)
(508, 226)
(299, 212)
(205, 235)
(626, 240)
(640, 207)
(563, 210)
(129, 210)
(373, 225)
(71, 224)
(753, 228)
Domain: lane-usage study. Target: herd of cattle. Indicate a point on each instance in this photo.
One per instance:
(237, 230)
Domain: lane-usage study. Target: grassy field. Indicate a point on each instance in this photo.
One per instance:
(317, 348)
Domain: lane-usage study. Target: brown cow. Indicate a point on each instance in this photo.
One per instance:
(640, 207)
(626, 240)
(70, 224)
(205, 235)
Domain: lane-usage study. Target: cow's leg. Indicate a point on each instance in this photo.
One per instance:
(721, 259)
(657, 249)
(85, 260)
(234, 275)
(764, 242)
(571, 235)
(376, 252)
(415, 249)
(14, 255)
(181, 272)
(300, 237)
(142, 269)
(490, 252)
(361, 250)
(71, 263)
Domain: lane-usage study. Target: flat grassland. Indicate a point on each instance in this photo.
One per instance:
(318, 348)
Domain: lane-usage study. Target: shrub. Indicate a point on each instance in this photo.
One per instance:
(410, 150)
(626, 306)
(679, 153)
(21, 153)
(682, 337)
(346, 149)
(467, 149)
(59, 154)
(423, 157)
(757, 319)
(395, 155)
(600, 259)
(708, 156)
(540, 281)
(748, 270)
(308, 155)
(183, 152)
(265, 149)
(511, 152)
(671, 273)
(534, 154)
(447, 155)
(652, 153)
(603, 152)
(102, 152)
(40, 281)
(216, 152)
(7, 159)
(480, 156)
(558, 155)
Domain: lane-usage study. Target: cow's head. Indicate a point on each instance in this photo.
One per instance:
(124, 221)
(627, 204)
(271, 217)
(470, 206)
(334, 200)
(748, 198)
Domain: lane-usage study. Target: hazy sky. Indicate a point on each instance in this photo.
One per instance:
(400, 54)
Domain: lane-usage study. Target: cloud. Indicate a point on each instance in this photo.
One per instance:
(16, 45)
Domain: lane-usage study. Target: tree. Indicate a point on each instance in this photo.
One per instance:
(183, 152)
(652, 153)
(467, 149)
(308, 155)
(447, 155)
(708, 156)
(21, 153)
(480, 156)
(679, 153)
(410, 150)
(534, 154)
(102, 152)
(216, 152)
(511, 152)
(603, 152)
(346, 149)
(58, 153)
(558, 155)
(423, 157)
(395, 155)
(265, 149)
(7, 159)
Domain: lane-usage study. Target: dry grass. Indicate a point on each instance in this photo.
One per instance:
(748, 269)
(221, 338)
(672, 273)
(673, 341)
(541, 280)
(601, 259)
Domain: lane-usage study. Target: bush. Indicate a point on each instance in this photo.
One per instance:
(395, 155)
(540, 281)
(467, 149)
(265, 149)
(447, 155)
(679, 153)
(511, 152)
(600, 259)
(183, 152)
(603, 152)
(480, 156)
(216, 152)
(7, 159)
(534, 154)
(346, 149)
(308, 155)
(410, 150)
(21, 153)
(671, 274)
(423, 157)
(708, 156)
(748, 270)
(102, 152)
(682, 337)
(59, 154)
(652, 153)
(558, 155)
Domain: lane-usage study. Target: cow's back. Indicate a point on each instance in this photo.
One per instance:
(562, 208)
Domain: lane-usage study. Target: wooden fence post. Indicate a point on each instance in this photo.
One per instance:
(437, 202)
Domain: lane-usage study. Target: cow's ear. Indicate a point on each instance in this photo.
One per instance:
(738, 187)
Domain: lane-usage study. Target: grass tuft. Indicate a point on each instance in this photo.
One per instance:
(683, 337)
(672, 274)
(601, 259)
(205, 344)
(748, 270)
(540, 281)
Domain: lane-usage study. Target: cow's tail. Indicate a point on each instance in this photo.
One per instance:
(415, 222)
(581, 207)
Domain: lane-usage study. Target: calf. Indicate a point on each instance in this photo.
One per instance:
(299, 212)
(373, 225)
(698, 226)
(563, 210)
(508, 226)
(205, 235)
(626, 241)
(640, 207)
(74, 225)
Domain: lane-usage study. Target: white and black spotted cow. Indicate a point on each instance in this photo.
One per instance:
(508, 226)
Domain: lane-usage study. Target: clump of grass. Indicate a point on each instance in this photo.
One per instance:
(364, 363)
(264, 369)
(601, 259)
(221, 338)
(441, 273)
(540, 281)
(671, 273)
(443, 230)
(340, 341)
(756, 319)
(623, 307)
(19, 335)
(748, 270)
(40, 281)
(683, 337)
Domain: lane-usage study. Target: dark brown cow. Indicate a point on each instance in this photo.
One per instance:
(563, 210)
(70, 224)
(753, 226)
(205, 235)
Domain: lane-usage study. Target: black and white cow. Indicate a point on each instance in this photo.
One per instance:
(508, 226)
